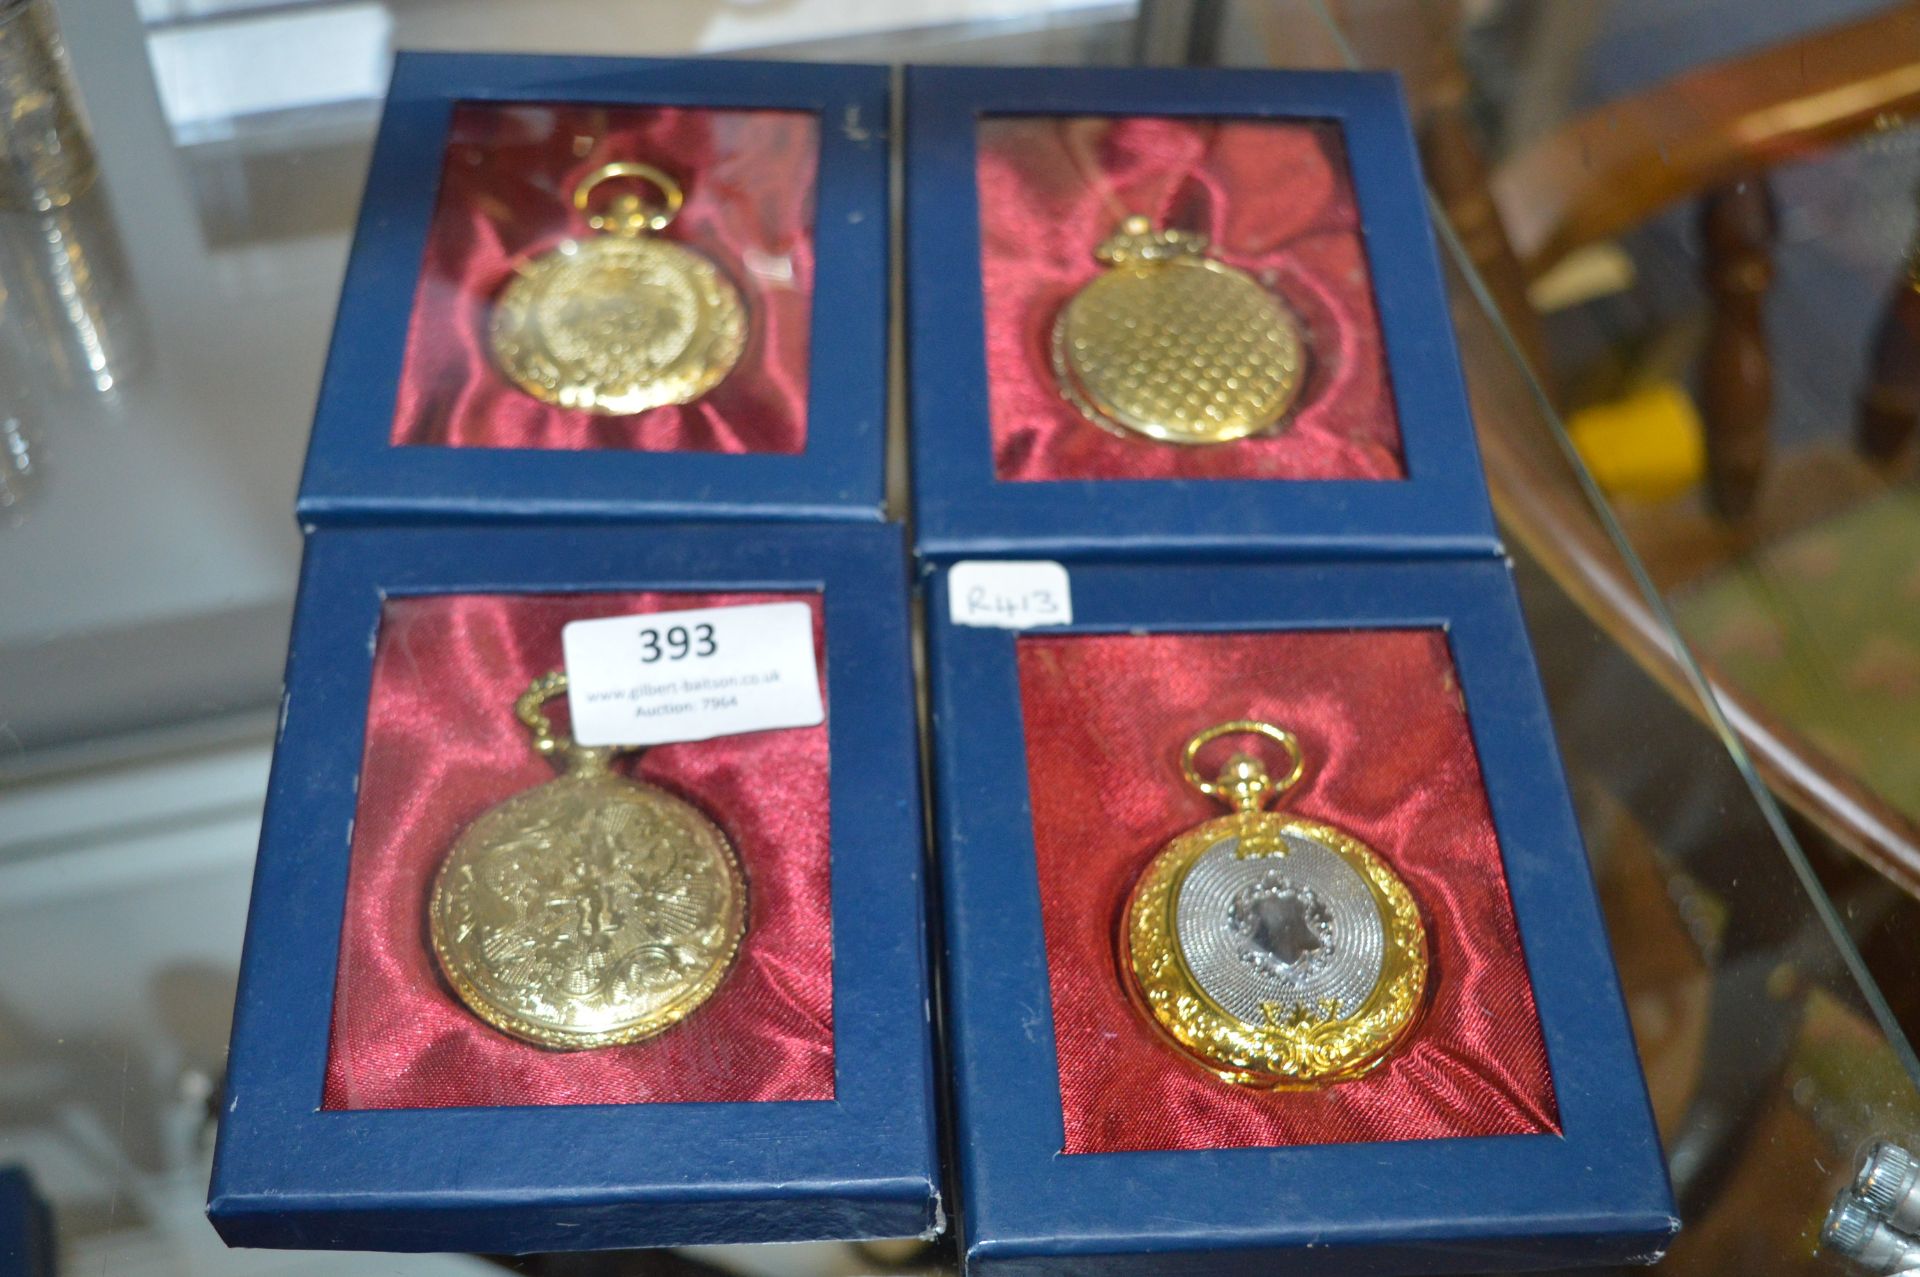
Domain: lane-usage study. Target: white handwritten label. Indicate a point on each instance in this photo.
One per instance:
(1009, 595)
(693, 675)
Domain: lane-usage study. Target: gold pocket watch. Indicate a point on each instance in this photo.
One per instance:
(1175, 345)
(589, 911)
(1276, 951)
(622, 321)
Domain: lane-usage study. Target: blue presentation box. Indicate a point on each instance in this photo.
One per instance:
(355, 474)
(503, 1180)
(27, 1244)
(1595, 1193)
(1439, 507)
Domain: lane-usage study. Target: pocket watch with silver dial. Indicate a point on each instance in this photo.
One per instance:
(592, 910)
(622, 321)
(1275, 951)
(1174, 345)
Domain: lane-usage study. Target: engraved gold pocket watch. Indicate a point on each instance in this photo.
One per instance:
(1277, 951)
(622, 321)
(1176, 345)
(590, 911)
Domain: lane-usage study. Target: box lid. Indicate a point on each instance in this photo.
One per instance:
(1595, 1192)
(571, 1177)
(354, 472)
(1440, 507)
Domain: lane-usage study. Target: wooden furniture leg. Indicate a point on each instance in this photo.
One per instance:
(1462, 181)
(1459, 178)
(1890, 405)
(1736, 380)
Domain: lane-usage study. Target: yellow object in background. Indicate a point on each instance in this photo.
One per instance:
(1648, 444)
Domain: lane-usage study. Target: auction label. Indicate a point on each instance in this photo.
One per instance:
(1009, 595)
(674, 676)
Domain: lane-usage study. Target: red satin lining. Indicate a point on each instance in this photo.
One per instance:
(1276, 201)
(443, 746)
(506, 194)
(1390, 760)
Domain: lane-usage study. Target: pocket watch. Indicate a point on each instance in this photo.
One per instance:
(1275, 951)
(591, 910)
(1176, 345)
(621, 321)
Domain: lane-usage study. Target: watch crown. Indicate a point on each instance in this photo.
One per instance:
(1137, 241)
(1245, 782)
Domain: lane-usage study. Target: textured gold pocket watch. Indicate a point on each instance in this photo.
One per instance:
(622, 321)
(1176, 345)
(591, 910)
(1278, 952)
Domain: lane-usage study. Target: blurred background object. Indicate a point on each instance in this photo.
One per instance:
(46, 155)
(77, 315)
